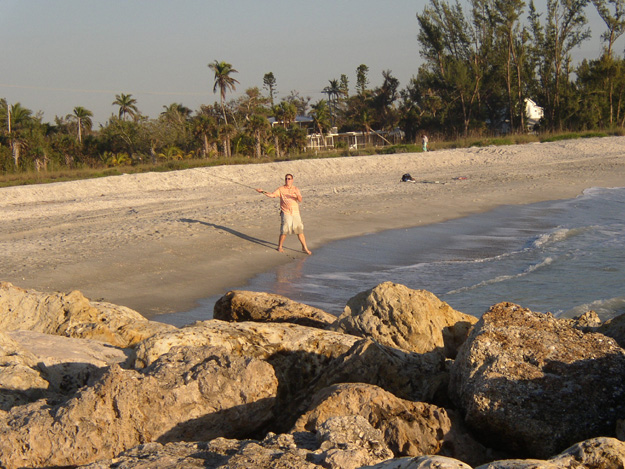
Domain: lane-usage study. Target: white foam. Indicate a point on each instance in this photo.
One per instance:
(502, 278)
(605, 309)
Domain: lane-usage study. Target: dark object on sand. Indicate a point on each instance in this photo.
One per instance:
(407, 178)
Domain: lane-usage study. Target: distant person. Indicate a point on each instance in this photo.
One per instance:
(424, 141)
(290, 197)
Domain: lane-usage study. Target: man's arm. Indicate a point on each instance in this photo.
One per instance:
(269, 194)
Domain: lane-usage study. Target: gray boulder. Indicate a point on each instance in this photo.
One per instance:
(188, 394)
(412, 320)
(533, 385)
(237, 306)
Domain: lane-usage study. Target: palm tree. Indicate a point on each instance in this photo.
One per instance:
(226, 132)
(83, 120)
(18, 120)
(127, 105)
(333, 91)
(176, 112)
(223, 81)
(320, 117)
(258, 125)
(205, 127)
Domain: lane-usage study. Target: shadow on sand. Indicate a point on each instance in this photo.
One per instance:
(251, 239)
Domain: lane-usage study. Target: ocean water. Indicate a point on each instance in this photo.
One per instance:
(565, 257)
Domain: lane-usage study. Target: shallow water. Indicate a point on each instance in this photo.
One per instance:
(561, 256)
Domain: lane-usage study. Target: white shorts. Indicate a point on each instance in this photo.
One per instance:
(291, 223)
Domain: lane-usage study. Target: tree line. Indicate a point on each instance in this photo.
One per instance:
(481, 62)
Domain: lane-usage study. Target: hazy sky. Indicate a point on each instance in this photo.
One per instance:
(59, 54)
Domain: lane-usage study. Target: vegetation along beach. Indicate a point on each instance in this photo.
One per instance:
(117, 230)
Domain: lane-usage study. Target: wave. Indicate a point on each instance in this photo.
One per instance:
(605, 309)
(502, 278)
(557, 236)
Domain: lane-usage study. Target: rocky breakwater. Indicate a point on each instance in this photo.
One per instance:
(399, 380)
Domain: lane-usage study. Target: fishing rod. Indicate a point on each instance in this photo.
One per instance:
(236, 182)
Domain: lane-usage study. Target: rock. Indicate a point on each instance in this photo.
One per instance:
(237, 306)
(248, 338)
(533, 385)
(409, 428)
(349, 442)
(21, 378)
(412, 320)
(188, 394)
(604, 453)
(298, 354)
(73, 315)
(66, 363)
(342, 443)
(614, 328)
(422, 462)
(411, 376)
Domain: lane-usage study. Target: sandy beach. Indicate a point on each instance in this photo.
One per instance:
(158, 242)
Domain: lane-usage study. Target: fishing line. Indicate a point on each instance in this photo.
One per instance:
(235, 182)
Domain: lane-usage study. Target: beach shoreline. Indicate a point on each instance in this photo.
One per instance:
(160, 242)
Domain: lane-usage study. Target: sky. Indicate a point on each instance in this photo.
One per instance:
(59, 54)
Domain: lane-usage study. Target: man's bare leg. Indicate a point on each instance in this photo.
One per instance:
(302, 240)
(281, 242)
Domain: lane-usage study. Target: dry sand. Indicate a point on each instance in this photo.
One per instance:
(158, 242)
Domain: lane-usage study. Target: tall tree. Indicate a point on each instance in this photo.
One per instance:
(507, 14)
(127, 105)
(20, 119)
(612, 12)
(333, 91)
(361, 79)
(83, 120)
(258, 125)
(456, 52)
(223, 81)
(321, 118)
(565, 29)
(269, 82)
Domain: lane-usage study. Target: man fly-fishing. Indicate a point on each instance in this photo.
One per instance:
(290, 197)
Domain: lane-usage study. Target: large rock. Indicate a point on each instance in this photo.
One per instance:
(604, 453)
(422, 462)
(298, 354)
(66, 363)
(237, 306)
(188, 394)
(73, 315)
(533, 385)
(413, 320)
(409, 428)
(21, 379)
(248, 338)
(35, 365)
(614, 328)
(341, 443)
(411, 376)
